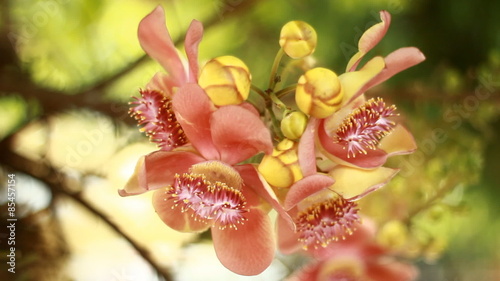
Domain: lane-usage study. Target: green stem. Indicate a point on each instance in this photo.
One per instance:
(260, 92)
(283, 92)
(273, 80)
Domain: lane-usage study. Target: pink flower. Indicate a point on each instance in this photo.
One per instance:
(155, 40)
(363, 133)
(357, 257)
(323, 206)
(201, 186)
(153, 109)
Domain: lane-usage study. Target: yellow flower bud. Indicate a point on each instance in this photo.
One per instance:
(226, 80)
(298, 39)
(293, 125)
(319, 92)
(281, 169)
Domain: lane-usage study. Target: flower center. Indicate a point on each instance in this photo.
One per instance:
(365, 127)
(154, 111)
(214, 202)
(327, 221)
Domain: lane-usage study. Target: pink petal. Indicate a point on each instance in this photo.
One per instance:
(248, 250)
(193, 110)
(239, 134)
(306, 151)
(383, 270)
(353, 183)
(193, 38)
(307, 273)
(400, 141)
(253, 179)
(396, 62)
(306, 187)
(288, 240)
(162, 82)
(370, 38)
(157, 43)
(157, 170)
(173, 216)
(337, 153)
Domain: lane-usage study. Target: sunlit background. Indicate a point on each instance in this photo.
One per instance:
(68, 69)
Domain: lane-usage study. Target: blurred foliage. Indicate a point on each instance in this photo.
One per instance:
(440, 210)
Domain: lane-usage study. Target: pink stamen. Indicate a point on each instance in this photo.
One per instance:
(154, 111)
(365, 127)
(216, 202)
(327, 221)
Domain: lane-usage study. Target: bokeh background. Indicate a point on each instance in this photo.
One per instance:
(68, 69)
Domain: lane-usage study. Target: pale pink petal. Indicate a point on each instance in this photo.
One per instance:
(254, 180)
(193, 110)
(250, 107)
(396, 62)
(391, 270)
(354, 83)
(248, 250)
(173, 216)
(370, 38)
(306, 273)
(163, 83)
(354, 183)
(288, 239)
(400, 141)
(157, 170)
(193, 39)
(239, 134)
(157, 43)
(306, 150)
(306, 187)
(337, 153)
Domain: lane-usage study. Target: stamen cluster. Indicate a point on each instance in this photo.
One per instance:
(366, 126)
(154, 111)
(215, 203)
(327, 221)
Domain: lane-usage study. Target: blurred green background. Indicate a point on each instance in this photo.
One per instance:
(68, 69)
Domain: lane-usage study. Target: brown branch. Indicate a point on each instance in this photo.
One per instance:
(58, 184)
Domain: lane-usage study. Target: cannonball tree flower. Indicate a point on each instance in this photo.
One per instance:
(324, 208)
(153, 109)
(358, 257)
(364, 133)
(201, 186)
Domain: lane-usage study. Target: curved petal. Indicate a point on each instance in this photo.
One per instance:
(370, 38)
(399, 141)
(157, 170)
(306, 151)
(163, 83)
(337, 153)
(353, 183)
(384, 270)
(306, 187)
(396, 62)
(288, 239)
(193, 39)
(307, 273)
(248, 250)
(157, 43)
(239, 134)
(253, 179)
(193, 110)
(173, 216)
(354, 83)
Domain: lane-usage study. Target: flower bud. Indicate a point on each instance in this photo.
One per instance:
(298, 39)
(281, 169)
(319, 92)
(226, 80)
(293, 125)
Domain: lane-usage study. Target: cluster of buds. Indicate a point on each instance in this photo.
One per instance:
(225, 162)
